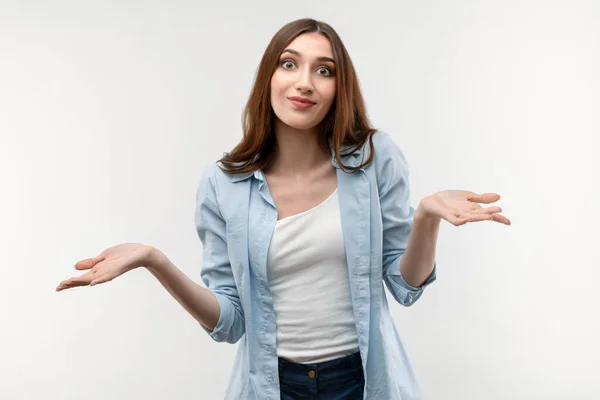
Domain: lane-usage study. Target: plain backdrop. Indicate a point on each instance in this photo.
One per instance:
(111, 110)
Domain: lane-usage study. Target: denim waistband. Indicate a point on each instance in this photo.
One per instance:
(340, 368)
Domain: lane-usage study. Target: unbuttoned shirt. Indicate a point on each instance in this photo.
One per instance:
(235, 219)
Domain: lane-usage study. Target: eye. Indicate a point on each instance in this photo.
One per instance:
(325, 71)
(288, 64)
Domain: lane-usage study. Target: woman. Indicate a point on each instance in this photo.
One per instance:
(301, 224)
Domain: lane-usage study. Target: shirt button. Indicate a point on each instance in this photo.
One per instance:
(312, 374)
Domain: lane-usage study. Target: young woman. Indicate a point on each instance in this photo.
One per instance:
(301, 225)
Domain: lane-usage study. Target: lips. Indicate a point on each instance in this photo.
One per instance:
(301, 103)
(301, 100)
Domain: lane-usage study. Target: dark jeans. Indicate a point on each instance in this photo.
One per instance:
(337, 379)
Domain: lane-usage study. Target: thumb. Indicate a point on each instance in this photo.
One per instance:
(88, 263)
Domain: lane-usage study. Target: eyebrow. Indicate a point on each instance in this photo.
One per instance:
(297, 53)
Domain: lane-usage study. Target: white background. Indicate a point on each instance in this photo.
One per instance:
(110, 111)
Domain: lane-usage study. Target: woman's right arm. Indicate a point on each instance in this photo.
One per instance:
(217, 307)
(217, 272)
(199, 301)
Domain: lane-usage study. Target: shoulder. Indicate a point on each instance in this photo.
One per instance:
(218, 184)
(216, 175)
(219, 193)
(382, 138)
(387, 153)
(389, 167)
(212, 179)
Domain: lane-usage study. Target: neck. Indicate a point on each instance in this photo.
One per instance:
(297, 152)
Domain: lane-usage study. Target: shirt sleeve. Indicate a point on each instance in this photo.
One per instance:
(216, 268)
(397, 218)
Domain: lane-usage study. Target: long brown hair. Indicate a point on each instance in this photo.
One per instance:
(346, 123)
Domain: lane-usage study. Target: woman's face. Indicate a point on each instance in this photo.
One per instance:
(303, 85)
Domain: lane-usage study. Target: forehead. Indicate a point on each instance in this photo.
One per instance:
(312, 45)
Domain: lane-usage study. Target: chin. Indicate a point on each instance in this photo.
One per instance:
(299, 122)
(300, 125)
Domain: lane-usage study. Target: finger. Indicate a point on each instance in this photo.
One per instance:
(474, 206)
(82, 280)
(501, 219)
(487, 217)
(474, 218)
(480, 217)
(483, 198)
(456, 220)
(68, 284)
(487, 210)
(101, 279)
(89, 262)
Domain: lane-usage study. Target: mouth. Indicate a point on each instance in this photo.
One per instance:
(301, 102)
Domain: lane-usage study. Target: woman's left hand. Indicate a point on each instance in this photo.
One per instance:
(461, 206)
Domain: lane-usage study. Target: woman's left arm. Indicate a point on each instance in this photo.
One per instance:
(455, 206)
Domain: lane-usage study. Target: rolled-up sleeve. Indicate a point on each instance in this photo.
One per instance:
(216, 269)
(397, 220)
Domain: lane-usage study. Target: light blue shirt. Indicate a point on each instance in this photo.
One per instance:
(235, 219)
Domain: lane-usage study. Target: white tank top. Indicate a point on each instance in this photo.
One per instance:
(308, 276)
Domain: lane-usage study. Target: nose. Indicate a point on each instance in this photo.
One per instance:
(304, 83)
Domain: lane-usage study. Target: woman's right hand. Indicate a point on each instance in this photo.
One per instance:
(111, 263)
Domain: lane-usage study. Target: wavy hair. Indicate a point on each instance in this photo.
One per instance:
(346, 123)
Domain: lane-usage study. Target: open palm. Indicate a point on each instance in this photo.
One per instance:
(111, 263)
(461, 206)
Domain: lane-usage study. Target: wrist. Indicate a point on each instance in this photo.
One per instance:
(155, 259)
(422, 215)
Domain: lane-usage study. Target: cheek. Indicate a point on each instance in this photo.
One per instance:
(329, 92)
(274, 88)
(277, 84)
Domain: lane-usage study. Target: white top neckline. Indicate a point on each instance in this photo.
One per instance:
(321, 204)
